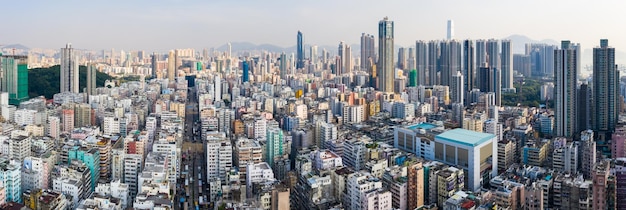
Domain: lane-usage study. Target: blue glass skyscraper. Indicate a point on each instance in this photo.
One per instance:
(246, 72)
(300, 51)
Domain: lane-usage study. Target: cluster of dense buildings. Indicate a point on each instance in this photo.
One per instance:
(425, 131)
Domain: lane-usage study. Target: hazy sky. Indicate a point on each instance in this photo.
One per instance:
(162, 25)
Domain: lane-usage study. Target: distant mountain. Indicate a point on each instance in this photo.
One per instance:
(247, 46)
(15, 46)
(520, 41)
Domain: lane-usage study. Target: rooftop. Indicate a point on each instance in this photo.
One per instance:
(425, 126)
(465, 137)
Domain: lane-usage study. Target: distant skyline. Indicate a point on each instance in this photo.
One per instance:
(163, 25)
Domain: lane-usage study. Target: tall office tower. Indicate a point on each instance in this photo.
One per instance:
(92, 71)
(469, 68)
(565, 78)
(283, 66)
(155, 65)
(246, 72)
(386, 70)
(481, 53)
(368, 51)
(506, 64)
(605, 94)
(449, 60)
(402, 58)
(456, 88)
(15, 79)
(171, 66)
(347, 60)
(421, 61)
(411, 59)
(450, 34)
(341, 55)
(433, 62)
(300, 51)
(314, 55)
(69, 70)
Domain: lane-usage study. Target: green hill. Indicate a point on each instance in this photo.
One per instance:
(46, 81)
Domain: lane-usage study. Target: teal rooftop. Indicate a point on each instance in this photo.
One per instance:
(465, 137)
(425, 126)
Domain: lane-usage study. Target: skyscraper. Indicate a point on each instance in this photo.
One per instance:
(246, 74)
(90, 89)
(341, 50)
(456, 88)
(433, 61)
(300, 51)
(489, 81)
(469, 68)
(155, 65)
(449, 60)
(171, 66)
(69, 70)
(493, 53)
(217, 87)
(347, 59)
(402, 58)
(506, 59)
(565, 78)
(15, 79)
(283, 66)
(605, 93)
(411, 59)
(314, 55)
(481, 53)
(385, 63)
(450, 34)
(368, 51)
(421, 61)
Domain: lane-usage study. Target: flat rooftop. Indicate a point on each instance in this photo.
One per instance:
(425, 126)
(465, 137)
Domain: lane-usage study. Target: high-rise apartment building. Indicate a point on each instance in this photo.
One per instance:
(69, 70)
(415, 191)
(433, 62)
(565, 83)
(274, 145)
(386, 70)
(449, 60)
(481, 53)
(90, 89)
(155, 65)
(506, 64)
(421, 61)
(368, 51)
(605, 94)
(283, 66)
(469, 68)
(171, 66)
